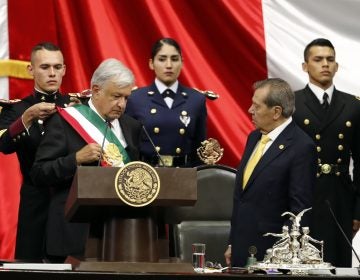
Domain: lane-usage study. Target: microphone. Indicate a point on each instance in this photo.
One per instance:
(341, 229)
(108, 124)
(153, 145)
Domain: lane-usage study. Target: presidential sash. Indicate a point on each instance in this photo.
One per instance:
(91, 127)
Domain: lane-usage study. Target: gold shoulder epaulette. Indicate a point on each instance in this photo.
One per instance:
(5, 102)
(2, 132)
(83, 94)
(209, 94)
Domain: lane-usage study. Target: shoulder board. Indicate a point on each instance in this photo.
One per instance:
(208, 93)
(4, 102)
(83, 94)
(357, 97)
(2, 132)
(134, 88)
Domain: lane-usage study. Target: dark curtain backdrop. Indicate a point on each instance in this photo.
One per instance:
(223, 49)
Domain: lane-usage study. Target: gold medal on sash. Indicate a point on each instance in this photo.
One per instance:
(112, 155)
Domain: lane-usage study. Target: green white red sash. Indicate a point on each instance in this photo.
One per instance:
(91, 127)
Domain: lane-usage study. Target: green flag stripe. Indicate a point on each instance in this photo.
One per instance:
(97, 121)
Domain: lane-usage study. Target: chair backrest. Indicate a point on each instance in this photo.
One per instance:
(208, 221)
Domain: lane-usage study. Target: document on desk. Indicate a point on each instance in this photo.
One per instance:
(37, 266)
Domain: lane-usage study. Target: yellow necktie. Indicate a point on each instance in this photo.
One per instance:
(255, 159)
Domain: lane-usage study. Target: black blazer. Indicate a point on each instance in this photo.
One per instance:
(55, 167)
(283, 180)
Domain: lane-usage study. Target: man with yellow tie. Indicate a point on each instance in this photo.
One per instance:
(276, 174)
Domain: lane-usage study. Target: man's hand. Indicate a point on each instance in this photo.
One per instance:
(88, 154)
(227, 256)
(356, 226)
(39, 111)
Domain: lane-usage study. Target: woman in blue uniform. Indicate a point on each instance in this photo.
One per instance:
(173, 115)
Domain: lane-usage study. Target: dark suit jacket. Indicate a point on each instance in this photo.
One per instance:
(34, 202)
(337, 137)
(282, 181)
(148, 106)
(55, 166)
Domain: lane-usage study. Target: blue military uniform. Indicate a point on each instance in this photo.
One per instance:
(177, 131)
(336, 133)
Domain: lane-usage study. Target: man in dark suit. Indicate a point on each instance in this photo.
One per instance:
(74, 137)
(21, 129)
(332, 119)
(283, 177)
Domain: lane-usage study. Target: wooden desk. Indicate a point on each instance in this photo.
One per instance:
(83, 275)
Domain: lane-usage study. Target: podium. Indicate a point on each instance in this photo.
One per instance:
(129, 233)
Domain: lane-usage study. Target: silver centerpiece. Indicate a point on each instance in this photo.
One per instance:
(295, 251)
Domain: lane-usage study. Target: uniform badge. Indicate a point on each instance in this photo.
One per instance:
(112, 156)
(151, 93)
(184, 118)
(137, 184)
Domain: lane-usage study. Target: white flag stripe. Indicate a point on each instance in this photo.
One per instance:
(92, 130)
(290, 25)
(4, 46)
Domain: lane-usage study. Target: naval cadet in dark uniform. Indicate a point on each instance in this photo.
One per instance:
(332, 119)
(173, 115)
(21, 129)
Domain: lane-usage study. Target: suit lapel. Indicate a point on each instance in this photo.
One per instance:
(324, 120)
(281, 143)
(253, 139)
(155, 96)
(335, 109)
(313, 103)
(126, 130)
(180, 97)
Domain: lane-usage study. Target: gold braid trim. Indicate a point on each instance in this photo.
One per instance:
(14, 68)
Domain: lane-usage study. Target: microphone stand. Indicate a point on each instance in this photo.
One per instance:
(153, 145)
(341, 230)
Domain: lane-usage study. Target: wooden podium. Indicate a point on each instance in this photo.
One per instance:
(129, 233)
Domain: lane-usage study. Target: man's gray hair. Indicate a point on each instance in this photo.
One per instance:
(280, 94)
(112, 69)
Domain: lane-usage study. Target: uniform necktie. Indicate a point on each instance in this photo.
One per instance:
(255, 159)
(325, 103)
(168, 93)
